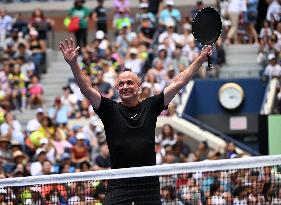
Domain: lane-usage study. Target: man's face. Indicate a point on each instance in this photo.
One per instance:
(128, 85)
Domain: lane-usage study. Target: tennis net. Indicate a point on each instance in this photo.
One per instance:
(251, 180)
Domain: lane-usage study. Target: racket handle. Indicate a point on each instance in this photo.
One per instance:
(210, 65)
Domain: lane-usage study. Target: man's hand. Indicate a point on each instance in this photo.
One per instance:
(205, 52)
(70, 53)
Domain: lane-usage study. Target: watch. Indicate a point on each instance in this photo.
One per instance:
(231, 95)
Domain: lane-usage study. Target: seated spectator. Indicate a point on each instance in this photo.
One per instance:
(170, 38)
(35, 93)
(202, 151)
(120, 20)
(145, 13)
(35, 123)
(133, 61)
(103, 87)
(20, 24)
(170, 12)
(66, 165)
(83, 110)
(6, 22)
(273, 69)
(59, 113)
(36, 167)
(47, 167)
(84, 166)
(123, 5)
(69, 99)
(167, 136)
(60, 143)
(102, 161)
(49, 147)
(11, 129)
(123, 40)
(5, 152)
(17, 85)
(80, 151)
(47, 127)
(162, 55)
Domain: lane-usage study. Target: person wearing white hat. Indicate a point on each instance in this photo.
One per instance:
(273, 69)
(130, 124)
(80, 151)
(145, 13)
(170, 12)
(133, 62)
(35, 123)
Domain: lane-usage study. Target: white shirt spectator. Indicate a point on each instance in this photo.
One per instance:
(33, 125)
(36, 168)
(171, 40)
(273, 11)
(17, 134)
(5, 25)
(272, 71)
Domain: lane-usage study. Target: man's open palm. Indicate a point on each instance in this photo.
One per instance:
(70, 53)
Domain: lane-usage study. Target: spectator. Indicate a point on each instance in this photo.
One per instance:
(170, 12)
(123, 5)
(133, 61)
(120, 20)
(103, 87)
(20, 24)
(17, 85)
(35, 93)
(36, 123)
(60, 143)
(79, 151)
(37, 165)
(41, 24)
(102, 161)
(273, 11)
(5, 25)
(69, 99)
(99, 17)
(169, 37)
(273, 69)
(82, 12)
(11, 129)
(235, 8)
(251, 18)
(38, 49)
(145, 13)
(59, 113)
(47, 127)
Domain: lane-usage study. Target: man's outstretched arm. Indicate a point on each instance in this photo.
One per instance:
(185, 76)
(70, 54)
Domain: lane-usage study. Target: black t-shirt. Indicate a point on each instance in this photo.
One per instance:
(101, 18)
(130, 131)
(148, 32)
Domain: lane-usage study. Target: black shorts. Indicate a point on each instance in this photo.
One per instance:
(136, 191)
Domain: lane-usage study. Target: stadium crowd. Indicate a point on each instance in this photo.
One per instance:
(156, 43)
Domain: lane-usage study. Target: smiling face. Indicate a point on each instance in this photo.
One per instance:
(128, 85)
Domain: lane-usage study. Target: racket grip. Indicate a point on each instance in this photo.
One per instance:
(210, 65)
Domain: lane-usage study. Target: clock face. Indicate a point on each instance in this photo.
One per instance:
(231, 96)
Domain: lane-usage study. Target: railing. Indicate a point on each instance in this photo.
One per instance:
(221, 135)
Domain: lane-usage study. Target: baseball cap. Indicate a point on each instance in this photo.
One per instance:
(271, 56)
(161, 47)
(39, 110)
(44, 141)
(133, 50)
(80, 136)
(99, 34)
(170, 2)
(143, 5)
